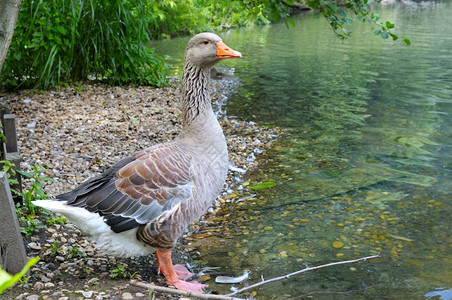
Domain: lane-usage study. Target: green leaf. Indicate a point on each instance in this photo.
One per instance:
(262, 185)
(62, 30)
(46, 179)
(384, 35)
(407, 41)
(394, 37)
(17, 56)
(348, 21)
(7, 280)
(28, 175)
(389, 25)
(332, 6)
(291, 21)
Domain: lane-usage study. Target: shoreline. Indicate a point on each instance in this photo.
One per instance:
(78, 132)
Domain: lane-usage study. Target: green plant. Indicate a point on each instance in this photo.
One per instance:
(36, 190)
(2, 136)
(8, 168)
(24, 280)
(28, 223)
(7, 280)
(55, 248)
(27, 213)
(132, 275)
(57, 220)
(74, 251)
(119, 272)
(61, 41)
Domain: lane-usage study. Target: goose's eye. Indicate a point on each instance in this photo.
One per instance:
(206, 42)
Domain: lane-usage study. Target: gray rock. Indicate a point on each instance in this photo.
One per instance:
(34, 246)
(127, 296)
(87, 294)
(22, 296)
(59, 258)
(38, 286)
(93, 280)
(57, 294)
(49, 285)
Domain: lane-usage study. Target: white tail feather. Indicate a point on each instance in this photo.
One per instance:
(123, 244)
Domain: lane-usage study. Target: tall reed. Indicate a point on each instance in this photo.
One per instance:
(59, 41)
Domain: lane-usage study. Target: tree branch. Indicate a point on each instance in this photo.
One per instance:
(163, 289)
(302, 271)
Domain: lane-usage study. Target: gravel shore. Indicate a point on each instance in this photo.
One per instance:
(76, 133)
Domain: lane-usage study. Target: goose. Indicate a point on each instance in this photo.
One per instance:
(143, 203)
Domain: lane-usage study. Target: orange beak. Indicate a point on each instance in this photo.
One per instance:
(224, 51)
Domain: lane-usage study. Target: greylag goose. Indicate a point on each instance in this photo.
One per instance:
(145, 202)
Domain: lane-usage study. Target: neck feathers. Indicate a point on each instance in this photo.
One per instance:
(196, 95)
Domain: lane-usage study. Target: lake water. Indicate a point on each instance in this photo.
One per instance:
(365, 166)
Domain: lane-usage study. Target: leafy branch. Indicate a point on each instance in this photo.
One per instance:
(338, 13)
(338, 16)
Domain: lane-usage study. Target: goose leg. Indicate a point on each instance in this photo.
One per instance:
(181, 271)
(165, 265)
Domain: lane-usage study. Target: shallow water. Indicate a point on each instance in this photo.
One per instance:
(366, 164)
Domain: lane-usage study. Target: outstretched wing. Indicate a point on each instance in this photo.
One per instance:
(138, 189)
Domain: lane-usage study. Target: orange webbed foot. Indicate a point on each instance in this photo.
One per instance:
(175, 275)
(189, 286)
(182, 272)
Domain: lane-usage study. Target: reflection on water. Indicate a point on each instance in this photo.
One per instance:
(366, 166)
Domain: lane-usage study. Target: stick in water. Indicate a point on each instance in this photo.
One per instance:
(302, 271)
(230, 296)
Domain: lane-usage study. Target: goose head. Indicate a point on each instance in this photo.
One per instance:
(206, 49)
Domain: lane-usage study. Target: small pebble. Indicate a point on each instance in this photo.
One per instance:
(87, 294)
(49, 285)
(337, 244)
(38, 286)
(34, 246)
(127, 296)
(22, 296)
(93, 281)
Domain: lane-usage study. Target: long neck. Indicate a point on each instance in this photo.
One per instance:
(201, 130)
(196, 96)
